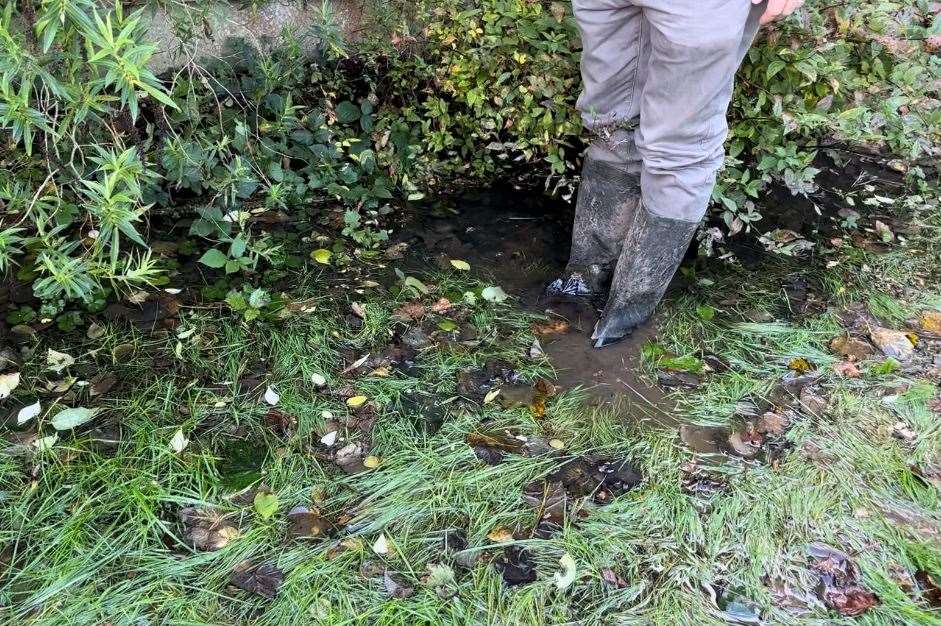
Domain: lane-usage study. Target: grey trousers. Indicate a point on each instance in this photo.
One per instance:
(658, 78)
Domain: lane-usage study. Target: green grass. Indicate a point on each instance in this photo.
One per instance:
(91, 536)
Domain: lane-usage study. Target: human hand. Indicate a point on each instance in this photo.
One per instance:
(778, 9)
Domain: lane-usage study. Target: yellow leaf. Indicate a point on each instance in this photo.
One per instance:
(322, 256)
(556, 444)
(372, 462)
(458, 264)
(356, 401)
(800, 365)
(500, 534)
(491, 396)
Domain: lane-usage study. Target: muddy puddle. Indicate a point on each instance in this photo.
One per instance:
(520, 240)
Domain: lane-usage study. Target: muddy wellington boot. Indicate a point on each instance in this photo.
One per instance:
(607, 198)
(652, 252)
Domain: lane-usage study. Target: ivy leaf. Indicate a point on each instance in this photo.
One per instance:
(266, 504)
(347, 112)
(72, 418)
(213, 258)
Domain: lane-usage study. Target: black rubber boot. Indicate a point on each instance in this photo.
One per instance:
(652, 252)
(607, 199)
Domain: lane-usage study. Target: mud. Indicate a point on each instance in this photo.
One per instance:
(520, 240)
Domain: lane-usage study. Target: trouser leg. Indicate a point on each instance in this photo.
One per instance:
(612, 46)
(695, 50)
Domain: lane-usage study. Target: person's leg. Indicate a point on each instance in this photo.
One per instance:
(612, 43)
(695, 50)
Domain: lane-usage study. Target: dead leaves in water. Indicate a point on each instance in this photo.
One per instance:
(264, 580)
(839, 587)
(205, 528)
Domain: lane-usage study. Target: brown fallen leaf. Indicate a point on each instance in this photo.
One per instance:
(846, 369)
(500, 534)
(306, 524)
(851, 347)
(394, 588)
(930, 322)
(206, 528)
(409, 311)
(772, 423)
(612, 579)
(442, 306)
(264, 580)
(551, 327)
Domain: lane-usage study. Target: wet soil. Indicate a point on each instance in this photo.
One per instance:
(520, 240)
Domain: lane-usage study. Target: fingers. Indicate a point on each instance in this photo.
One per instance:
(772, 11)
(777, 9)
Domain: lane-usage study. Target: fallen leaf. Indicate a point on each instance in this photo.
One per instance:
(322, 256)
(409, 311)
(58, 361)
(394, 588)
(179, 441)
(564, 578)
(318, 380)
(442, 306)
(102, 384)
(500, 534)
(846, 369)
(45, 443)
(329, 439)
(206, 528)
(266, 504)
(381, 545)
(516, 566)
(557, 444)
(358, 310)
(372, 462)
(493, 294)
(773, 424)
(741, 447)
(355, 402)
(264, 580)
(447, 326)
(851, 347)
(72, 418)
(551, 327)
(458, 264)
(491, 395)
(536, 351)
(27, 413)
(271, 396)
(930, 321)
(307, 523)
(800, 365)
(610, 577)
(8, 382)
(903, 431)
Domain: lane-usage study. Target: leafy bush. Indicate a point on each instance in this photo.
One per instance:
(96, 146)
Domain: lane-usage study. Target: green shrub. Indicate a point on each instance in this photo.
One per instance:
(95, 146)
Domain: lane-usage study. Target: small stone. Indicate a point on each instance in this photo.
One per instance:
(893, 343)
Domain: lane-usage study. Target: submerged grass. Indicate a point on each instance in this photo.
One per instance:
(90, 533)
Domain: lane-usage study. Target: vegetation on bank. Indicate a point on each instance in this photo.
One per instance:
(393, 455)
(100, 155)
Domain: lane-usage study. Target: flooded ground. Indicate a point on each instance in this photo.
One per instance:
(520, 239)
